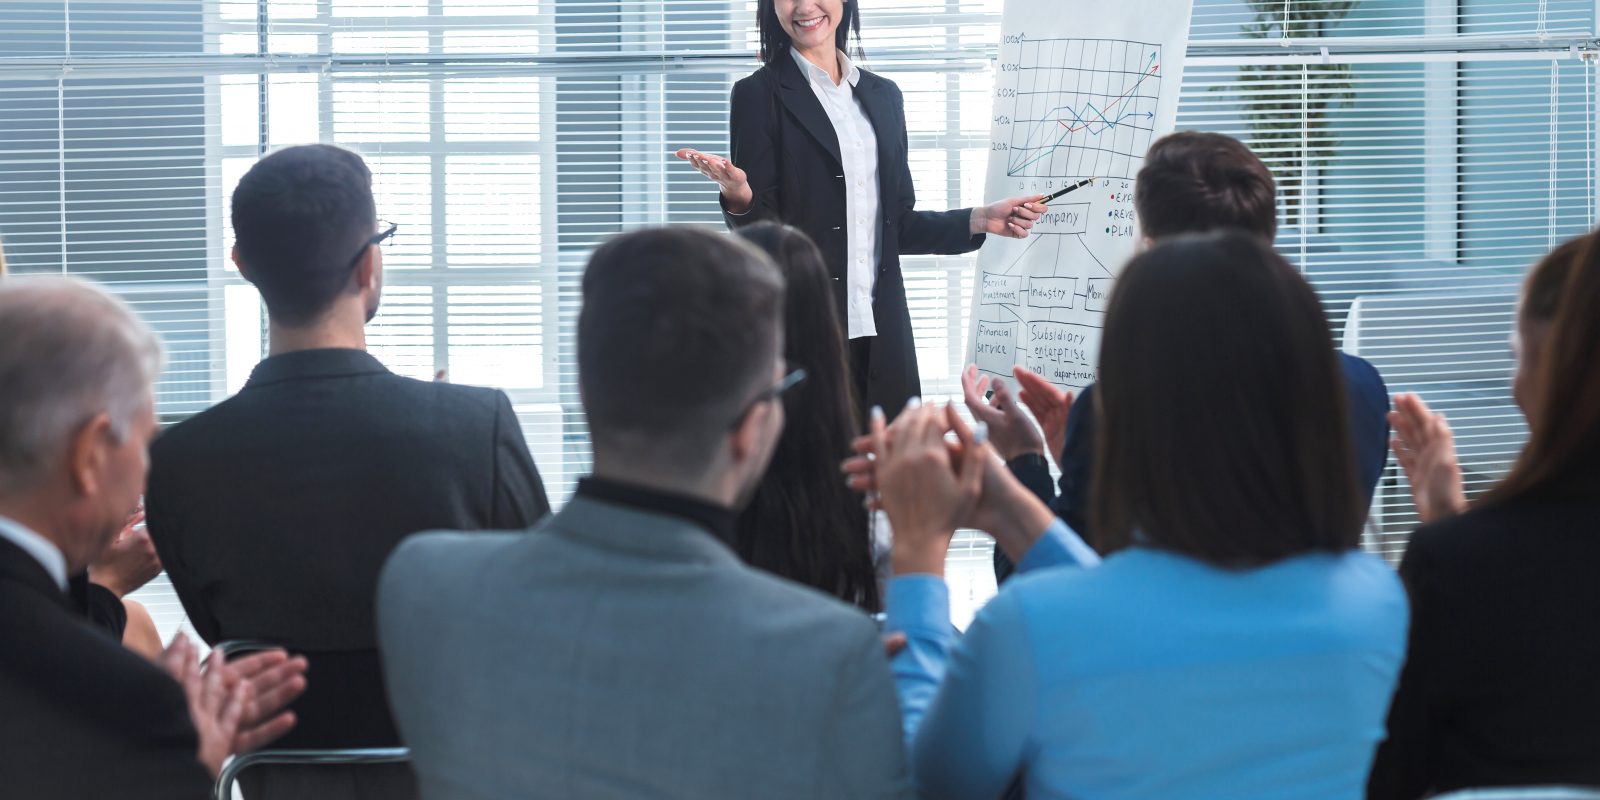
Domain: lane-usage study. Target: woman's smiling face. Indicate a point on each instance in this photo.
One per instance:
(811, 24)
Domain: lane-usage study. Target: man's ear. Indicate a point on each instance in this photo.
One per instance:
(233, 255)
(366, 272)
(88, 453)
(745, 440)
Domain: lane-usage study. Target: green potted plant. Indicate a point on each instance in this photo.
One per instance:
(1286, 100)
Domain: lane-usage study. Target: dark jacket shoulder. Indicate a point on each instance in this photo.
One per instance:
(84, 716)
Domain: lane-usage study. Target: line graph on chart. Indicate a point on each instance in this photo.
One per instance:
(1081, 107)
(1067, 109)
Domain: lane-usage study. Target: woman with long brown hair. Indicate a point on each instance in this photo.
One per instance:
(1502, 681)
(803, 523)
(1234, 641)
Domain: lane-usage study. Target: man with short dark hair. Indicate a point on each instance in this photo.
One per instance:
(1191, 182)
(274, 510)
(626, 651)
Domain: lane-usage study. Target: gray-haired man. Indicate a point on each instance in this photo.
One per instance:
(85, 717)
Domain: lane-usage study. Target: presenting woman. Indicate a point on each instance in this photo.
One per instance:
(820, 144)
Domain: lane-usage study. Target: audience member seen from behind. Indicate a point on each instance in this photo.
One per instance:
(1499, 688)
(1234, 642)
(128, 563)
(85, 717)
(1191, 182)
(803, 523)
(624, 650)
(274, 510)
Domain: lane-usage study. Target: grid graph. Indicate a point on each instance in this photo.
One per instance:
(1083, 108)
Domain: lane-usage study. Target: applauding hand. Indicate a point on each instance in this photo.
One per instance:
(216, 704)
(1011, 433)
(927, 489)
(130, 561)
(1003, 507)
(276, 679)
(1049, 405)
(1427, 452)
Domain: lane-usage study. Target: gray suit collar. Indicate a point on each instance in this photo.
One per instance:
(627, 530)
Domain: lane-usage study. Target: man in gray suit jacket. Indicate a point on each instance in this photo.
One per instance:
(622, 650)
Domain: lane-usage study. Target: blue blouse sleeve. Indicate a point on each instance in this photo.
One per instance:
(1058, 547)
(967, 704)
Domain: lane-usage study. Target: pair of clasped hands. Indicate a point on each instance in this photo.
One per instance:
(1012, 218)
(931, 484)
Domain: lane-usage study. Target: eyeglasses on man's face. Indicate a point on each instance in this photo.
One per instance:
(386, 230)
(795, 377)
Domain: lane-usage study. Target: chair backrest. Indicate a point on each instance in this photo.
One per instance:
(373, 755)
(361, 755)
(1524, 793)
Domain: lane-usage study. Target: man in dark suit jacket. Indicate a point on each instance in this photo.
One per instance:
(1191, 182)
(274, 510)
(84, 716)
(80, 715)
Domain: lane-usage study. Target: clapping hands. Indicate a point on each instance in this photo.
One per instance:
(1426, 450)
(930, 485)
(236, 706)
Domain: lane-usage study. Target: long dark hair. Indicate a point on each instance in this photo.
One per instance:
(774, 40)
(1563, 449)
(1224, 434)
(803, 522)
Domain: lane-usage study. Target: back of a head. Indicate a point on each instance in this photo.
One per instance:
(300, 216)
(68, 352)
(680, 328)
(1545, 286)
(1223, 423)
(1563, 449)
(1195, 182)
(803, 522)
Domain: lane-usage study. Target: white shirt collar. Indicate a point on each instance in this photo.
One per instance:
(43, 550)
(851, 72)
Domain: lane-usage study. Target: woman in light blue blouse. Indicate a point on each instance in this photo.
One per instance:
(1234, 642)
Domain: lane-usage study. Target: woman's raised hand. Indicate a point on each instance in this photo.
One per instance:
(733, 183)
(1426, 450)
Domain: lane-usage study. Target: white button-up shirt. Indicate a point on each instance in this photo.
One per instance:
(858, 147)
(43, 550)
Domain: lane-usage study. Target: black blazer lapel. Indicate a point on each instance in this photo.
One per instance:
(886, 128)
(802, 102)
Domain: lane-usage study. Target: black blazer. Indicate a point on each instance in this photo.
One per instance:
(1501, 685)
(80, 715)
(274, 510)
(783, 140)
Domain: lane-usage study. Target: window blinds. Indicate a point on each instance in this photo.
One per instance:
(1428, 151)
